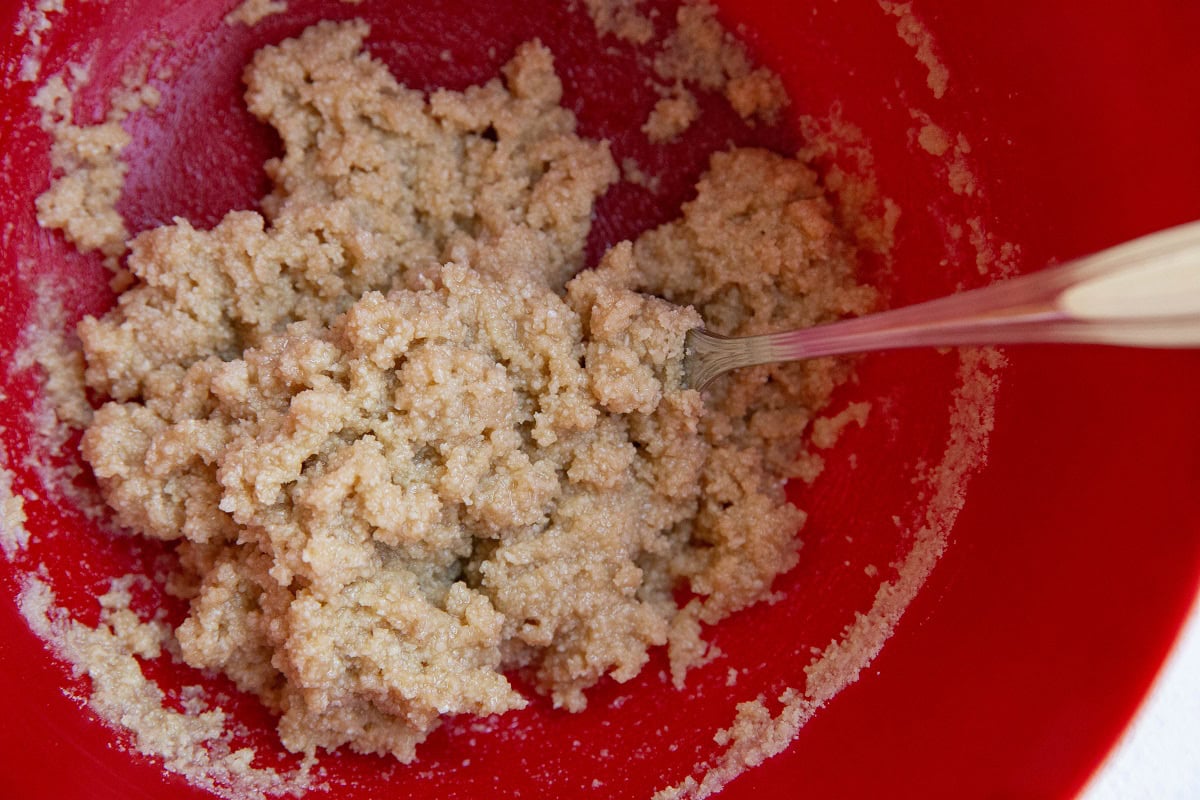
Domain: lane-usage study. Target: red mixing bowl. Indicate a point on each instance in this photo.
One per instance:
(1071, 521)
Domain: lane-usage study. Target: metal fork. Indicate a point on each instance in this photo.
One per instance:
(1144, 293)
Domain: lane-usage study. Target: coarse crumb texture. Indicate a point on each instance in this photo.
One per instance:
(86, 161)
(81, 201)
(621, 18)
(672, 115)
(701, 51)
(917, 36)
(193, 740)
(252, 12)
(696, 53)
(756, 733)
(49, 343)
(13, 535)
(405, 451)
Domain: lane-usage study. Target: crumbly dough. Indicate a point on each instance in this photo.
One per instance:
(252, 12)
(82, 200)
(701, 51)
(917, 36)
(408, 447)
(13, 535)
(671, 115)
(86, 162)
(697, 53)
(632, 172)
(621, 18)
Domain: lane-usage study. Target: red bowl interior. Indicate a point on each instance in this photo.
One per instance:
(1071, 562)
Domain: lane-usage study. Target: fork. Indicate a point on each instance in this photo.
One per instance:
(1143, 293)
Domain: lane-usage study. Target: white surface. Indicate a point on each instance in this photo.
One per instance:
(1159, 755)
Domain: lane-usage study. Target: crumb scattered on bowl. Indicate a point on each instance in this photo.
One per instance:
(697, 53)
(252, 12)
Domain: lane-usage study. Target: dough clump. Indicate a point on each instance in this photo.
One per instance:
(407, 446)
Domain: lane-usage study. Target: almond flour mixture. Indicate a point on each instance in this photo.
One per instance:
(407, 447)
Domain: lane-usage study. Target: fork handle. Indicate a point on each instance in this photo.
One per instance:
(1144, 293)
